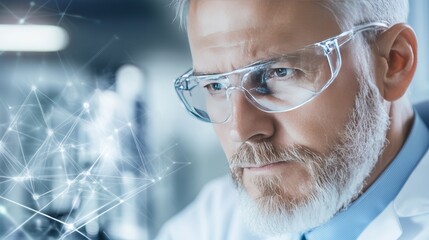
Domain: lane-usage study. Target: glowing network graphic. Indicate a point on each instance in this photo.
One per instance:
(67, 158)
(68, 167)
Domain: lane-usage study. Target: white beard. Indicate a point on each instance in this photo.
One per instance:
(338, 180)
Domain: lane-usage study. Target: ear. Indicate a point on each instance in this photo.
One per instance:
(396, 60)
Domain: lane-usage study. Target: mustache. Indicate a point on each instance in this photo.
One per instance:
(258, 154)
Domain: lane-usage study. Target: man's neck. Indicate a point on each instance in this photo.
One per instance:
(401, 118)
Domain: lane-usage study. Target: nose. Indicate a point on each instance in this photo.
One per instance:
(247, 123)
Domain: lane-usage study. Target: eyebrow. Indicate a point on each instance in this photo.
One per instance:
(201, 73)
(256, 62)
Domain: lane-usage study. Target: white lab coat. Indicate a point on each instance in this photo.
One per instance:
(214, 216)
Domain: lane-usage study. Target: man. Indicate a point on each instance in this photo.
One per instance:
(307, 99)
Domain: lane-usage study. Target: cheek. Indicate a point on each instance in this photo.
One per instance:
(320, 123)
(335, 105)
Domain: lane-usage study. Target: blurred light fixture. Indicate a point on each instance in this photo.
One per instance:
(32, 38)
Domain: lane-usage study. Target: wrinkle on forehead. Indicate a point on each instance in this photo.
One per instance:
(235, 15)
(227, 33)
(240, 37)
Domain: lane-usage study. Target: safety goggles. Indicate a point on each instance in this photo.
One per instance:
(274, 85)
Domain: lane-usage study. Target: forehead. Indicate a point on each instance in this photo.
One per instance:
(238, 32)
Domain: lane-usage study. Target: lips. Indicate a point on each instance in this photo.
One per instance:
(264, 167)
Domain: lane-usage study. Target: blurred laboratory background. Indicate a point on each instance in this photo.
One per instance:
(94, 143)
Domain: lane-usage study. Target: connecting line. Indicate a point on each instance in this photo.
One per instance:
(132, 194)
(28, 12)
(64, 12)
(37, 151)
(18, 113)
(40, 7)
(64, 160)
(97, 54)
(36, 212)
(82, 219)
(126, 198)
(15, 164)
(22, 149)
(41, 109)
(65, 71)
(26, 135)
(90, 177)
(72, 128)
(96, 160)
(10, 11)
(35, 11)
(160, 154)
(10, 188)
(51, 100)
(85, 176)
(15, 223)
(141, 156)
(177, 169)
(68, 233)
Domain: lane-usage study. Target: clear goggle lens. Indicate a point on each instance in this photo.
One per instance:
(273, 86)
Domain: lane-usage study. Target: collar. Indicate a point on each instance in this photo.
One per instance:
(351, 222)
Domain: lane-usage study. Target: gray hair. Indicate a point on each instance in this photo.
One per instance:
(346, 12)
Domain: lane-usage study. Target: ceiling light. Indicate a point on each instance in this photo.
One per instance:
(32, 38)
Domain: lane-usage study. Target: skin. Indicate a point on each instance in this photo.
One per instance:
(225, 35)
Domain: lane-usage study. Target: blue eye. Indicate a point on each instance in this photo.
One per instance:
(262, 80)
(281, 72)
(215, 88)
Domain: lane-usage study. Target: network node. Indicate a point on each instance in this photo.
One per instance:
(86, 105)
(50, 132)
(69, 227)
(69, 182)
(36, 197)
(3, 210)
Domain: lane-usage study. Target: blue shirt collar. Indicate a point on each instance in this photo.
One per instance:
(351, 222)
